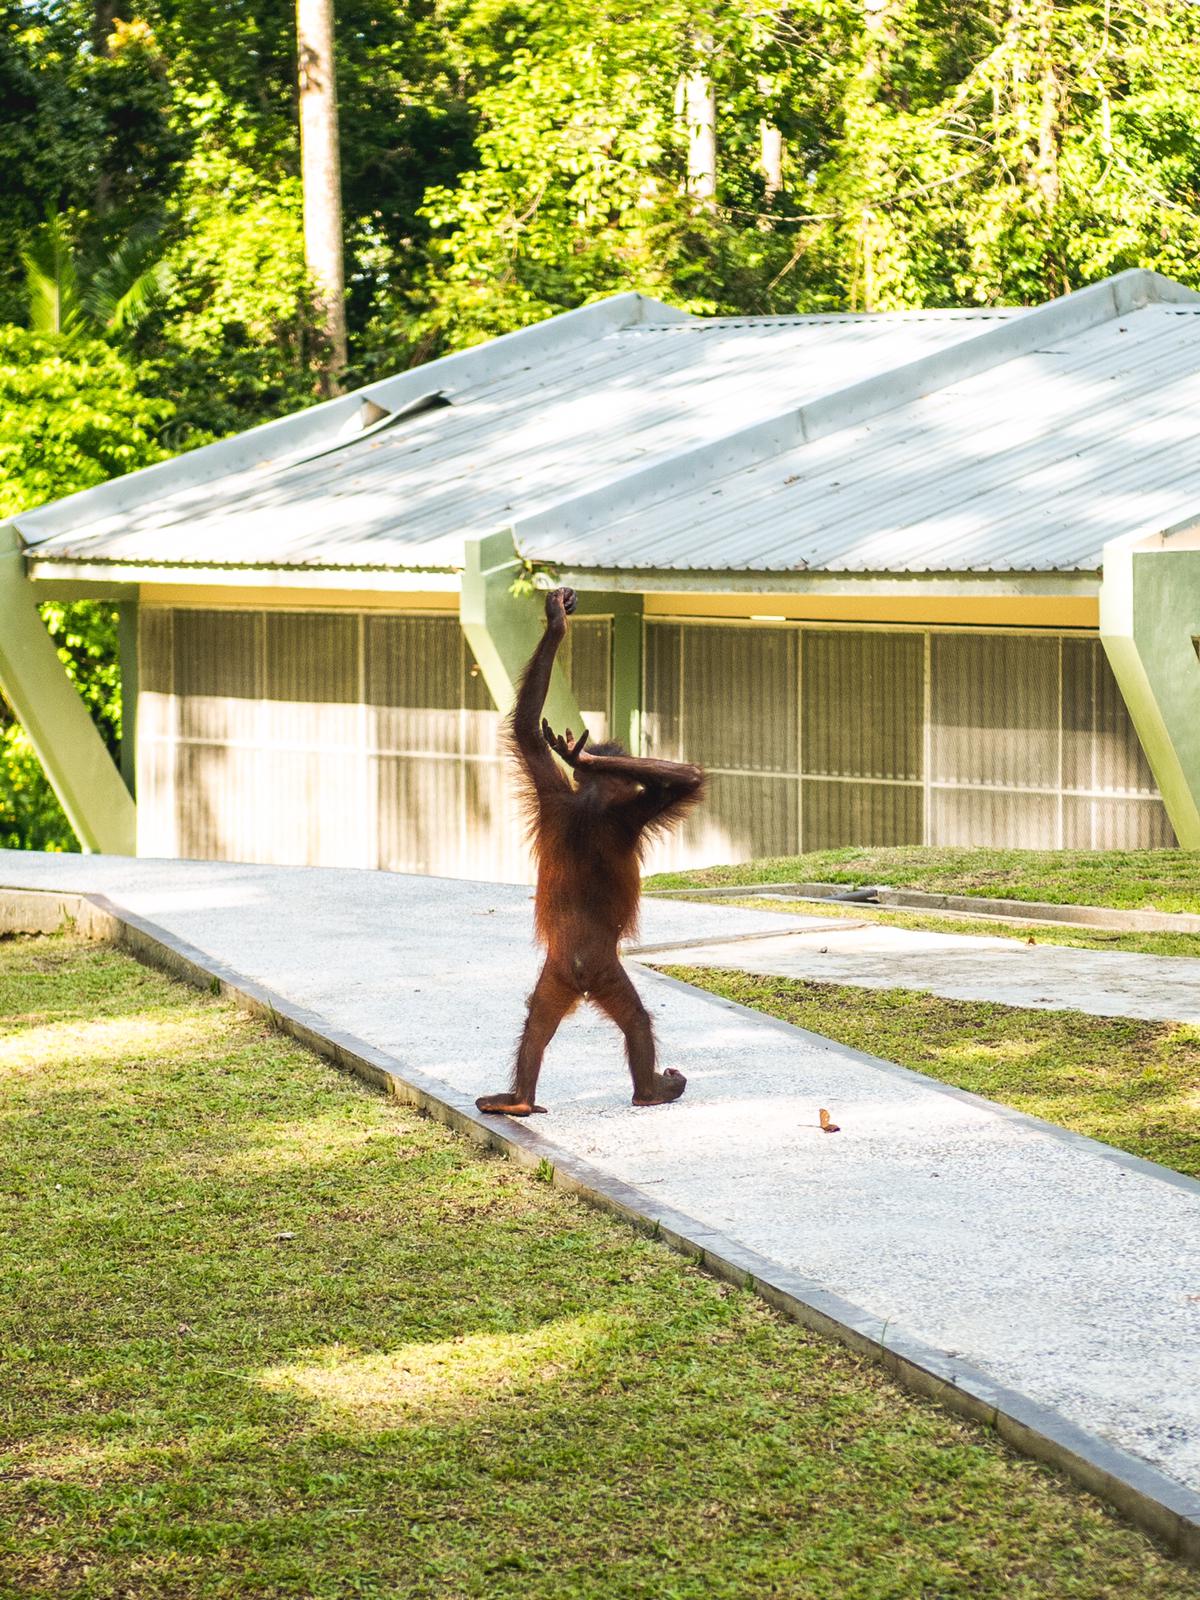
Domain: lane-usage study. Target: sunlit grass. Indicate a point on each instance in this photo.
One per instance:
(48, 1047)
(1041, 933)
(384, 1389)
(1159, 880)
(321, 1139)
(265, 1333)
(1130, 1083)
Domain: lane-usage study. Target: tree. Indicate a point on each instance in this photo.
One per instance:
(321, 163)
(83, 134)
(71, 416)
(111, 298)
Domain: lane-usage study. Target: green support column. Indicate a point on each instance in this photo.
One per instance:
(1149, 620)
(503, 629)
(127, 647)
(83, 775)
(626, 668)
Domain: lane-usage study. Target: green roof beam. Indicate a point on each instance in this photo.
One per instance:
(1149, 621)
(503, 627)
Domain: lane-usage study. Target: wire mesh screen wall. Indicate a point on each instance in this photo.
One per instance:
(816, 738)
(333, 739)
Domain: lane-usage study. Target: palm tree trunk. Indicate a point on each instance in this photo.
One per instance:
(321, 170)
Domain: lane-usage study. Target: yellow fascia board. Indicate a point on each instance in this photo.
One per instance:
(217, 597)
(979, 611)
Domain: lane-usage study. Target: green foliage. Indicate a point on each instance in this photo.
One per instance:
(114, 299)
(30, 816)
(50, 281)
(235, 342)
(85, 636)
(85, 131)
(501, 163)
(935, 156)
(578, 192)
(71, 415)
(47, 134)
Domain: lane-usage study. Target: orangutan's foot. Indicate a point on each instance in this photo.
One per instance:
(668, 1085)
(508, 1105)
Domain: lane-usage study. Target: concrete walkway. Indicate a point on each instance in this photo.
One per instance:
(870, 955)
(1053, 1265)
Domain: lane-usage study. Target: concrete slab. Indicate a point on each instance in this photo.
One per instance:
(1106, 983)
(1055, 1266)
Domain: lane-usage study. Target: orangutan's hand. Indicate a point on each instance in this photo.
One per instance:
(559, 605)
(570, 748)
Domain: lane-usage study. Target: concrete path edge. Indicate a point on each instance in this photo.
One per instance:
(1161, 1507)
(1111, 918)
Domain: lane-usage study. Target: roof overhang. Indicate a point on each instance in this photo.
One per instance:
(330, 425)
(120, 580)
(961, 585)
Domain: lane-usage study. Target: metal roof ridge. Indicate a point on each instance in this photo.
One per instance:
(803, 319)
(321, 425)
(843, 408)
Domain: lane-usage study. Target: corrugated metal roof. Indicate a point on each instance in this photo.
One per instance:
(1030, 466)
(540, 433)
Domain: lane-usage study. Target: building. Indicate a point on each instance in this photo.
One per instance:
(920, 577)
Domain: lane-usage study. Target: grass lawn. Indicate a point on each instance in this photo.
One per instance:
(1158, 880)
(265, 1333)
(1150, 944)
(1133, 1084)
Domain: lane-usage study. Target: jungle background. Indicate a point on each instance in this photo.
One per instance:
(502, 162)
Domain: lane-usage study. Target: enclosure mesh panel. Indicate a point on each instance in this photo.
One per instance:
(662, 666)
(415, 687)
(994, 707)
(818, 737)
(861, 813)
(327, 738)
(334, 739)
(586, 658)
(738, 699)
(862, 696)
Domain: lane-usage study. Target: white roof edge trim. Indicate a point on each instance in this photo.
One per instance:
(433, 579)
(844, 408)
(957, 584)
(320, 425)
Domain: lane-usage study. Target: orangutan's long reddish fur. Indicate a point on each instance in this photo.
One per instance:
(587, 839)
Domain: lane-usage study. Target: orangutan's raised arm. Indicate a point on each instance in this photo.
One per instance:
(526, 724)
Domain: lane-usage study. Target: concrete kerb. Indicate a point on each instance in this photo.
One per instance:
(664, 947)
(1151, 1500)
(1111, 918)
